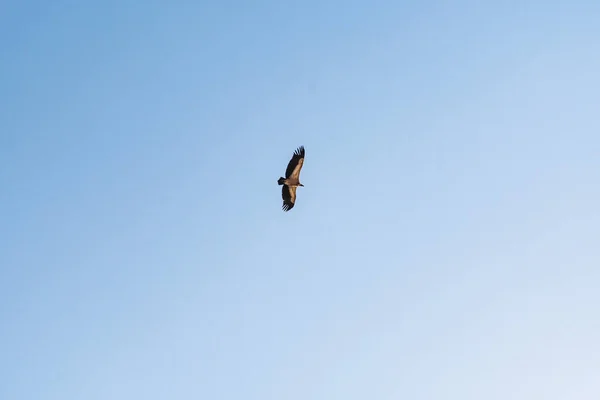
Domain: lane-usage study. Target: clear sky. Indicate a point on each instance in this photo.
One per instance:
(446, 244)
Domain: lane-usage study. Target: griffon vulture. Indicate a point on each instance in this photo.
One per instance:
(292, 179)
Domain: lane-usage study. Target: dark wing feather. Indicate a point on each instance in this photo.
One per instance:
(288, 194)
(296, 158)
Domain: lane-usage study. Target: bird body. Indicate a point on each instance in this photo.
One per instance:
(289, 182)
(292, 179)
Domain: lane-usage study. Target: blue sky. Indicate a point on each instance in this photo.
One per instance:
(445, 245)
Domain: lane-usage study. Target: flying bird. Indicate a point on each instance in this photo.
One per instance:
(292, 179)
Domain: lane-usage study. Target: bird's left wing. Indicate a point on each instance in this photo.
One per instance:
(295, 164)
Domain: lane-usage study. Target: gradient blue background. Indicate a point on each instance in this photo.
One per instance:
(446, 245)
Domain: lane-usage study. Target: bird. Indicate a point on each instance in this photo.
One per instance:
(292, 179)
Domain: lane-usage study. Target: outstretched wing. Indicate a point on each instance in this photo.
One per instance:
(295, 164)
(288, 194)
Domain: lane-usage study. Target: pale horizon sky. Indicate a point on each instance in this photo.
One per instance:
(445, 245)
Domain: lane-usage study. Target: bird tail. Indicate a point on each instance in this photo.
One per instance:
(280, 181)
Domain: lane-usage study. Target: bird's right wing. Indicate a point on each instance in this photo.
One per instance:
(288, 194)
